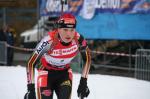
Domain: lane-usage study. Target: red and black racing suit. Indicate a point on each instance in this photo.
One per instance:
(54, 73)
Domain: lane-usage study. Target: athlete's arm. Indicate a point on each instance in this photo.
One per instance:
(85, 53)
(40, 49)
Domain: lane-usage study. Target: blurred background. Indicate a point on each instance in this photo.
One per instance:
(117, 31)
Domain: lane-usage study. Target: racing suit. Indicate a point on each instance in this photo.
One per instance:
(53, 58)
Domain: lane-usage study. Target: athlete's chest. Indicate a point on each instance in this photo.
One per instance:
(60, 50)
(61, 55)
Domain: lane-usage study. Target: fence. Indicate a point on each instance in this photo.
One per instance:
(140, 70)
(142, 64)
(3, 53)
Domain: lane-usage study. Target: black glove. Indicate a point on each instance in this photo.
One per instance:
(83, 90)
(31, 92)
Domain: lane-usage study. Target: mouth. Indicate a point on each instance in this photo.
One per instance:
(68, 38)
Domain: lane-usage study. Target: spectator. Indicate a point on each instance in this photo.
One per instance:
(2, 35)
(10, 41)
(2, 38)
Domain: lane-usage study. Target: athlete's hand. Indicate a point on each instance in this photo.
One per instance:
(31, 92)
(83, 89)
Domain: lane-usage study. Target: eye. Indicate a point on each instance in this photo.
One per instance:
(65, 29)
(71, 30)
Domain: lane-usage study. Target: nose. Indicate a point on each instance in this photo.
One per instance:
(68, 32)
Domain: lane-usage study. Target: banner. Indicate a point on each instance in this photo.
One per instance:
(115, 26)
(105, 19)
(53, 7)
(88, 8)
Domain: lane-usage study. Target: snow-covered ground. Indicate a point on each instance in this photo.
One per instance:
(13, 85)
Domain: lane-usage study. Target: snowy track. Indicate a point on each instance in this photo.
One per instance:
(13, 85)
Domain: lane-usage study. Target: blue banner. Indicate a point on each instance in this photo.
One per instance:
(116, 26)
(88, 8)
(105, 19)
(53, 7)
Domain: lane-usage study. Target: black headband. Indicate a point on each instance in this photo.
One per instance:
(66, 25)
(61, 24)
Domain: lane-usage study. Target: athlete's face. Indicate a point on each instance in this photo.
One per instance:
(66, 34)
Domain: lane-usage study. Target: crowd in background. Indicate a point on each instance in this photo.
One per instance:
(7, 36)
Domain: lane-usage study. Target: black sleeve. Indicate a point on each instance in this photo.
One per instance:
(82, 47)
(85, 53)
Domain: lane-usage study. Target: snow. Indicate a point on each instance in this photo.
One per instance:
(13, 85)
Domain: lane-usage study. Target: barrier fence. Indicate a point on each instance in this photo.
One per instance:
(113, 54)
(92, 52)
(3, 53)
(97, 52)
(141, 68)
(142, 64)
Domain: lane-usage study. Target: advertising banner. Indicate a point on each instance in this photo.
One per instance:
(89, 8)
(105, 19)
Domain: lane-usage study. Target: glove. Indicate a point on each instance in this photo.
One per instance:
(31, 92)
(83, 89)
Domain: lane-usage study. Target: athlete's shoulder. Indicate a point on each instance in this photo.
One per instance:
(44, 44)
(52, 34)
(80, 38)
(77, 34)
